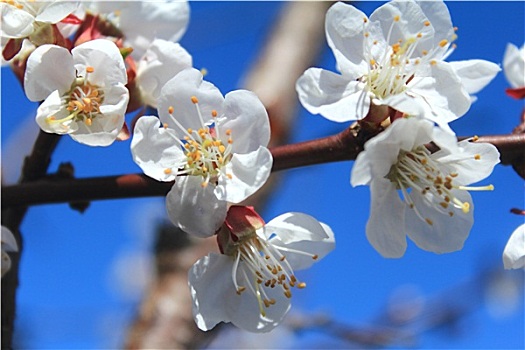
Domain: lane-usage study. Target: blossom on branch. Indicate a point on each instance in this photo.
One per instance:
(84, 91)
(251, 283)
(395, 58)
(514, 252)
(141, 22)
(213, 146)
(8, 245)
(435, 209)
(514, 69)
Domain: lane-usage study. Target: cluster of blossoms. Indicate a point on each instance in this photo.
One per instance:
(93, 64)
(394, 74)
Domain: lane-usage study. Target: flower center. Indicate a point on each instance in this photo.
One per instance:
(205, 152)
(264, 266)
(82, 102)
(417, 171)
(389, 73)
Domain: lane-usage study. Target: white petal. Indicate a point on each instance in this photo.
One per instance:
(53, 12)
(166, 20)
(53, 106)
(196, 210)
(161, 62)
(514, 252)
(245, 116)
(439, 17)
(155, 150)
(8, 240)
(335, 97)
(106, 126)
(446, 233)
(248, 173)
(106, 59)
(344, 33)
(471, 161)
(177, 93)
(514, 65)
(361, 170)
(16, 23)
(211, 285)
(475, 74)
(301, 233)
(385, 227)
(43, 75)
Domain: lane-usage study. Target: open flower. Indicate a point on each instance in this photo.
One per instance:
(251, 283)
(8, 245)
(161, 62)
(435, 210)
(143, 21)
(514, 69)
(514, 252)
(84, 91)
(394, 58)
(213, 146)
(21, 18)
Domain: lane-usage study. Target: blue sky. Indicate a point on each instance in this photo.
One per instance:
(66, 299)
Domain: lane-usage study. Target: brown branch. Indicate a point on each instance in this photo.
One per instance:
(35, 166)
(343, 146)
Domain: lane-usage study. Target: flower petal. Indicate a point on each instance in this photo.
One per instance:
(442, 232)
(162, 61)
(8, 240)
(246, 117)
(344, 27)
(335, 97)
(475, 74)
(43, 75)
(385, 227)
(53, 107)
(105, 57)
(53, 12)
(209, 306)
(514, 252)
(196, 210)
(155, 150)
(178, 92)
(308, 239)
(514, 65)
(16, 23)
(248, 173)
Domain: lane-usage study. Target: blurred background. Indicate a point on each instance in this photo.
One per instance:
(83, 276)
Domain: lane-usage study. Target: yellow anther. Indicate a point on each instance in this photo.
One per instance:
(426, 23)
(230, 141)
(170, 109)
(222, 148)
(90, 69)
(397, 18)
(443, 42)
(424, 52)
(228, 132)
(365, 20)
(433, 62)
(444, 205)
(315, 257)
(429, 221)
(190, 130)
(367, 34)
(167, 171)
(477, 157)
(204, 184)
(194, 99)
(465, 207)
(240, 290)
(288, 294)
(204, 72)
(455, 29)
(86, 100)
(372, 62)
(165, 125)
(301, 285)
(214, 113)
(396, 47)
(88, 121)
(419, 35)
(266, 303)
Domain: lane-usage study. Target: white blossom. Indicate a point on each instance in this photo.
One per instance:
(84, 91)
(213, 146)
(514, 65)
(435, 208)
(143, 21)
(161, 62)
(514, 252)
(21, 18)
(251, 283)
(8, 245)
(394, 58)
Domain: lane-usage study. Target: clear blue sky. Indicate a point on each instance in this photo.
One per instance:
(66, 299)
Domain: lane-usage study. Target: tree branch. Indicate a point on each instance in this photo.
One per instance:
(343, 146)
